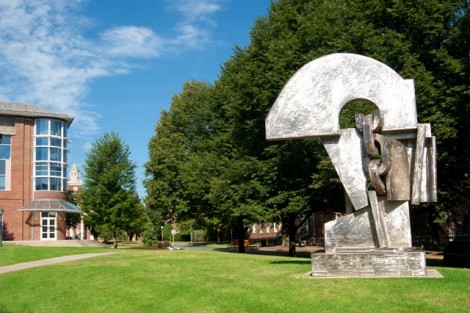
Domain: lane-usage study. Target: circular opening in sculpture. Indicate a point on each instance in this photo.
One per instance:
(349, 110)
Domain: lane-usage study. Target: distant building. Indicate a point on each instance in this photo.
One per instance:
(74, 183)
(33, 172)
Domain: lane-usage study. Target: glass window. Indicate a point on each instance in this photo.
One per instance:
(5, 155)
(56, 142)
(47, 214)
(56, 128)
(5, 152)
(55, 184)
(48, 224)
(42, 154)
(42, 169)
(42, 127)
(6, 140)
(2, 174)
(42, 141)
(42, 183)
(56, 169)
(56, 154)
(50, 158)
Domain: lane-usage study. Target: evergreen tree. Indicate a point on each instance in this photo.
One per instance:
(109, 198)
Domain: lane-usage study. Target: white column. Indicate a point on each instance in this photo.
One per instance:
(82, 228)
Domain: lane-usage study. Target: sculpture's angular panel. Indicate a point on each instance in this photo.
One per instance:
(310, 102)
(349, 165)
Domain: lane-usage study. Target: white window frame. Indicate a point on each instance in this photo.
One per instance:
(49, 163)
(8, 166)
(48, 232)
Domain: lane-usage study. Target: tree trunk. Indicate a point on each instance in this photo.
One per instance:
(292, 252)
(115, 239)
(241, 235)
(292, 229)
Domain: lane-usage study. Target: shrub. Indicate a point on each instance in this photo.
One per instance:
(150, 235)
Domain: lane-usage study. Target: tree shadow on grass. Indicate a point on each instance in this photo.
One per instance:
(274, 252)
(290, 262)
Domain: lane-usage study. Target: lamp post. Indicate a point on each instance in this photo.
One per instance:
(1, 224)
(173, 233)
(162, 234)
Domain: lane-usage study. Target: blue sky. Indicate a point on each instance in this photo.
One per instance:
(115, 64)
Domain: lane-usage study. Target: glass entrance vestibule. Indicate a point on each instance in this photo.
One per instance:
(47, 218)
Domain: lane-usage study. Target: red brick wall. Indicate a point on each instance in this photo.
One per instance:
(61, 230)
(21, 192)
(18, 225)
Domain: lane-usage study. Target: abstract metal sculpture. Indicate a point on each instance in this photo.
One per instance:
(388, 150)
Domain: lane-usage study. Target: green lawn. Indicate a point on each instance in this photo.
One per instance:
(10, 254)
(136, 280)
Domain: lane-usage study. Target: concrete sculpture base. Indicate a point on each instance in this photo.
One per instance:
(369, 263)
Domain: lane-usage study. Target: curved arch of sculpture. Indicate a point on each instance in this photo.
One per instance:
(310, 103)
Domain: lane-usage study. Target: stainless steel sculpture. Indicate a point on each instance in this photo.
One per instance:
(387, 149)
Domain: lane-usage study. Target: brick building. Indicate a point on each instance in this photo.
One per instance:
(33, 172)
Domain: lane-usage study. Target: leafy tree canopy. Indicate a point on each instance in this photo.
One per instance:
(209, 157)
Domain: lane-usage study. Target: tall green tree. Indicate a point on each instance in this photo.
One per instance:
(109, 198)
(239, 195)
(423, 40)
(193, 173)
(213, 136)
(248, 86)
(181, 161)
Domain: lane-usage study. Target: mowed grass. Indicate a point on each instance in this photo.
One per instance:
(10, 254)
(136, 280)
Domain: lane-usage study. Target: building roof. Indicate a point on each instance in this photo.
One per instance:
(51, 205)
(27, 110)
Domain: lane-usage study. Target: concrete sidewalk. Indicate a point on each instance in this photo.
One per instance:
(62, 259)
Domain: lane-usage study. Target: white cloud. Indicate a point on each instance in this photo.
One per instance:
(191, 36)
(194, 31)
(131, 41)
(194, 10)
(45, 59)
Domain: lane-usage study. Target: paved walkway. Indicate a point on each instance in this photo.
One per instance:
(62, 259)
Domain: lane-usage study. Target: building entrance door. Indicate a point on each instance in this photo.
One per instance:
(48, 225)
